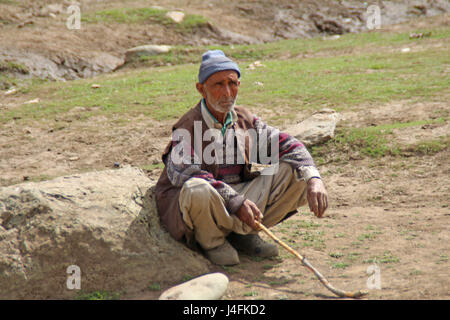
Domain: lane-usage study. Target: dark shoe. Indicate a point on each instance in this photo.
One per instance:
(224, 254)
(252, 245)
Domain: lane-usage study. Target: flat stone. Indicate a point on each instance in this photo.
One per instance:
(316, 129)
(208, 287)
(146, 50)
(176, 16)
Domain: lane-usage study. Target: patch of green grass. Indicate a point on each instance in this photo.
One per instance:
(291, 242)
(279, 282)
(368, 141)
(42, 177)
(443, 258)
(416, 272)
(336, 255)
(342, 81)
(230, 269)
(366, 236)
(268, 266)
(308, 225)
(250, 294)
(340, 235)
(98, 295)
(154, 287)
(256, 259)
(8, 2)
(356, 244)
(428, 147)
(191, 22)
(353, 256)
(7, 69)
(7, 82)
(340, 265)
(161, 94)
(376, 141)
(11, 66)
(410, 234)
(127, 15)
(187, 277)
(313, 239)
(145, 15)
(387, 257)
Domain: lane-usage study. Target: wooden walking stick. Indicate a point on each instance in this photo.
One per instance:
(339, 293)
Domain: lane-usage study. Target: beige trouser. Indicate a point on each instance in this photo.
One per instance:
(204, 209)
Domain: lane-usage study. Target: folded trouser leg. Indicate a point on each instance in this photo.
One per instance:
(276, 193)
(288, 193)
(204, 212)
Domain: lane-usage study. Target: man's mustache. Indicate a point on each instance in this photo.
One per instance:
(226, 101)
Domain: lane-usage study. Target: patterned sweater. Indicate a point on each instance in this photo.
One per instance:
(290, 150)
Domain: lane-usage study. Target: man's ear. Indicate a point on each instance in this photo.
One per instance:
(201, 89)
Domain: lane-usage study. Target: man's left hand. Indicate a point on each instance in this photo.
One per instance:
(317, 197)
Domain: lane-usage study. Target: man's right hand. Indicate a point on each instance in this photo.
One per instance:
(248, 213)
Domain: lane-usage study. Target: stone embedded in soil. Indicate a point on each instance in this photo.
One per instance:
(175, 16)
(146, 50)
(208, 287)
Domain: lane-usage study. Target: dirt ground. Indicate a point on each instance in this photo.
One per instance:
(391, 212)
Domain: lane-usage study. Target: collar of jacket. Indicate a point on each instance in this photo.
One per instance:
(212, 122)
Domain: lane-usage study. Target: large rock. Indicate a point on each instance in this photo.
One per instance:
(103, 222)
(316, 129)
(62, 65)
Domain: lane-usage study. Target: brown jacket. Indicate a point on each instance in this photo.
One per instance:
(167, 195)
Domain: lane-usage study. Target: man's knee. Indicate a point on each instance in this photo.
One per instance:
(285, 168)
(197, 189)
(281, 169)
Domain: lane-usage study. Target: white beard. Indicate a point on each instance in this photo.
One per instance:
(221, 106)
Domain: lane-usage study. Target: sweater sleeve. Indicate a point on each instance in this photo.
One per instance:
(290, 150)
(184, 168)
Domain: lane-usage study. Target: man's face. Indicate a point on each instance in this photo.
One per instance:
(220, 90)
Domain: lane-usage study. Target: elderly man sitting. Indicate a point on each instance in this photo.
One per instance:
(207, 193)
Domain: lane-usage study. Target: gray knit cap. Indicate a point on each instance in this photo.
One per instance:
(214, 61)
